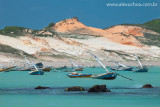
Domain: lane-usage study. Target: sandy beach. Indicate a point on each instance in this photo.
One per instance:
(80, 63)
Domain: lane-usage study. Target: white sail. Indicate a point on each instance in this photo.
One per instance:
(122, 65)
(12, 61)
(99, 62)
(139, 61)
(35, 66)
(118, 63)
(27, 61)
(73, 63)
(1, 66)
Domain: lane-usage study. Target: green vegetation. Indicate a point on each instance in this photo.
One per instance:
(149, 39)
(13, 31)
(21, 31)
(48, 28)
(153, 25)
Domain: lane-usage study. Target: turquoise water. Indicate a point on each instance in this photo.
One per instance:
(17, 90)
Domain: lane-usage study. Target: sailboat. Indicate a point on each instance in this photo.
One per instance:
(142, 68)
(76, 68)
(36, 71)
(6, 69)
(121, 67)
(78, 75)
(108, 76)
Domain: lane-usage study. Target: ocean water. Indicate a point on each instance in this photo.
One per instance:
(17, 90)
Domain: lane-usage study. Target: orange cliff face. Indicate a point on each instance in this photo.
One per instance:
(119, 34)
(126, 30)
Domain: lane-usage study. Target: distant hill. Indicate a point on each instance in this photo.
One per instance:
(72, 38)
(21, 31)
(153, 25)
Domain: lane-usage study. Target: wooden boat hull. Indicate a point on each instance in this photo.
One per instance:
(107, 76)
(141, 70)
(78, 69)
(122, 69)
(36, 73)
(79, 76)
(7, 69)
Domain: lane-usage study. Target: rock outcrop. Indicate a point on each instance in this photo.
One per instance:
(41, 87)
(99, 88)
(75, 88)
(147, 86)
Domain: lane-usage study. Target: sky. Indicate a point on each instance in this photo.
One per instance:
(37, 14)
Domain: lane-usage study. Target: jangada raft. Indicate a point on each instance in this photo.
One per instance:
(121, 67)
(7, 69)
(78, 75)
(108, 76)
(36, 71)
(142, 68)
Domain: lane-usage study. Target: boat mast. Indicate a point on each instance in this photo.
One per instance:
(139, 61)
(73, 63)
(99, 62)
(120, 64)
(1, 65)
(27, 61)
(12, 61)
(35, 66)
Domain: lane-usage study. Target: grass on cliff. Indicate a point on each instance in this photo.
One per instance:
(153, 25)
(13, 31)
(21, 31)
(149, 39)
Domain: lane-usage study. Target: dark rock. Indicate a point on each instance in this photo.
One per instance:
(98, 88)
(40, 87)
(147, 86)
(75, 88)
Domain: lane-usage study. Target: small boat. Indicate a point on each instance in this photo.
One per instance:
(7, 69)
(107, 76)
(142, 68)
(78, 69)
(60, 69)
(121, 67)
(78, 75)
(36, 71)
